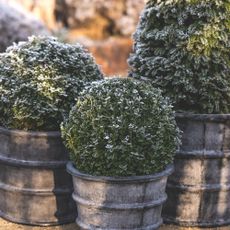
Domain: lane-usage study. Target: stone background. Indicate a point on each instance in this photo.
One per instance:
(103, 26)
(16, 25)
(97, 19)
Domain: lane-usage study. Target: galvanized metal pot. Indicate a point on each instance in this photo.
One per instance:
(35, 188)
(199, 189)
(119, 202)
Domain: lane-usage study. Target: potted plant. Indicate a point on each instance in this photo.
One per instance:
(182, 47)
(39, 81)
(122, 137)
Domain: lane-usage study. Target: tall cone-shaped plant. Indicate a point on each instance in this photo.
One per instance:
(183, 47)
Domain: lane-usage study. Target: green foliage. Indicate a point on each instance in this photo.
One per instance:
(121, 127)
(183, 47)
(39, 81)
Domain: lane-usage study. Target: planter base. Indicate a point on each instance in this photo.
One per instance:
(119, 203)
(67, 220)
(88, 227)
(35, 188)
(199, 189)
(195, 224)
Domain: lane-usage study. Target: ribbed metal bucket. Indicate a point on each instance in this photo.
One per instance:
(119, 203)
(35, 188)
(199, 189)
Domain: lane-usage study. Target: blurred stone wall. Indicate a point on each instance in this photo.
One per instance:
(42, 9)
(102, 18)
(93, 19)
(16, 25)
(97, 18)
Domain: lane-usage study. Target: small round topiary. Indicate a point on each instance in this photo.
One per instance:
(183, 47)
(121, 127)
(39, 82)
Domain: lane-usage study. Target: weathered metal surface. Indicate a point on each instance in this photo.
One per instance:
(199, 189)
(35, 188)
(105, 203)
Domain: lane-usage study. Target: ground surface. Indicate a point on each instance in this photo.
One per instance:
(4, 225)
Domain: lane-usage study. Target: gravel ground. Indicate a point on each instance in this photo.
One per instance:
(4, 225)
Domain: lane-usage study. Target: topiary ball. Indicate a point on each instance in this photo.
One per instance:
(121, 127)
(39, 82)
(183, 47)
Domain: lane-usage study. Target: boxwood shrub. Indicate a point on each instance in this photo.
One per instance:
(39, 81)
(183, 47)
(121, 127)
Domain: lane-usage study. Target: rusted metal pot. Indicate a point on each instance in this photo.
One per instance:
(199, 189)
(116, 203)
(35, 188)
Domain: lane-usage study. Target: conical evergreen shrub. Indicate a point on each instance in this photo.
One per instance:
(183, 47)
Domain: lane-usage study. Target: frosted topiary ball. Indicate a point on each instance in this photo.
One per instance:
(40, 80)
(121, 127)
